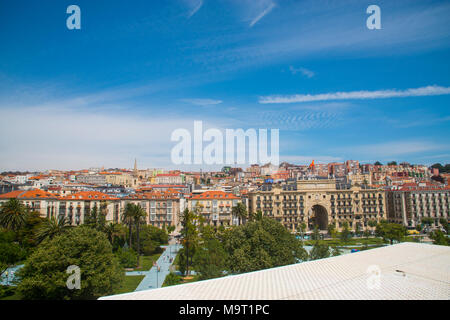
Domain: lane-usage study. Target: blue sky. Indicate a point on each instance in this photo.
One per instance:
(137, 70)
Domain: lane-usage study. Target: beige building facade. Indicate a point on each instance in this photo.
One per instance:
(163, 208)
(408, 204)
(216, 207)
(319, 202)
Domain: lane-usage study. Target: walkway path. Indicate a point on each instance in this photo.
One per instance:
(7, 278)
(154, 279)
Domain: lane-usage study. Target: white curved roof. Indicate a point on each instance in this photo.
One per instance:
(407, 271)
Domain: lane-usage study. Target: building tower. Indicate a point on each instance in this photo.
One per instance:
(135, 170)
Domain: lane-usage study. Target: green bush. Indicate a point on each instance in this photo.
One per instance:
(171, 280)
(127, 257)
(11, 252)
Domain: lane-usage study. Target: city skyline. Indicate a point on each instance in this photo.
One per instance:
(117, 88)
(217, 168)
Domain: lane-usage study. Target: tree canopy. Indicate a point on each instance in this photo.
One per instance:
(44, 275)
(261, 244)
(391, 231)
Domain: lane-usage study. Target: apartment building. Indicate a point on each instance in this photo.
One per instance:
(44, 202)
(215, 207)
(163, 208)
(74, 206)
(169, 178)
(96, 179)
(319, 202)
(409, 203)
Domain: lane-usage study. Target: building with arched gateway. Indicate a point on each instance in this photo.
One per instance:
(319, 202)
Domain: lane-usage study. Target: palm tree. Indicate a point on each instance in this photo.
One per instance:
(139, 214)
(331, 229)
(52, 227)
(302, 229)
(113, 231)
(240, 211)
(128, 219)
(13, 215)
(372, 224)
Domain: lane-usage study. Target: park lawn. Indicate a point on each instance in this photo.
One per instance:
(147, 262)
(130, 284)
(413, 238)
(350, 242)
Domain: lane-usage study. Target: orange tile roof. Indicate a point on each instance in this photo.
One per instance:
(88, 195)
(154, 195)
(168, 175)
(30, 194)
(214, 195)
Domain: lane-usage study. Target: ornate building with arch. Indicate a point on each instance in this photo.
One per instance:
(319, 202)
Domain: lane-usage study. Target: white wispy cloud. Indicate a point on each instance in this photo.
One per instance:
(306, 28)
(202, 102)
(194, 5)
(357, 95)
(262, 14)
(64, 138)
(303, 71)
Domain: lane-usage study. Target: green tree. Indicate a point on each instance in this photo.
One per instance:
(115, 232)
(210, 259)
(392, 163)
(127, 257)
(332, 229)
(427, 221)
(439, 238)
(378, 163)
(44, 275)
(96, 218)
(152, 238)
(52, 227)
(302, 229)
(316, 233)
(128, 219)
(335, 251)
(240, 211)
(13, 215)
(345, 233)
(170, 229)
(261, 244)
(134, 216)
(391, 231)
(11, 253)
(444, 223)
(139, 216)
(189, 235)
(366, 234)
(172, 279)
(372, 224)
(357, 228)
(319, 251)
(27, 234)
